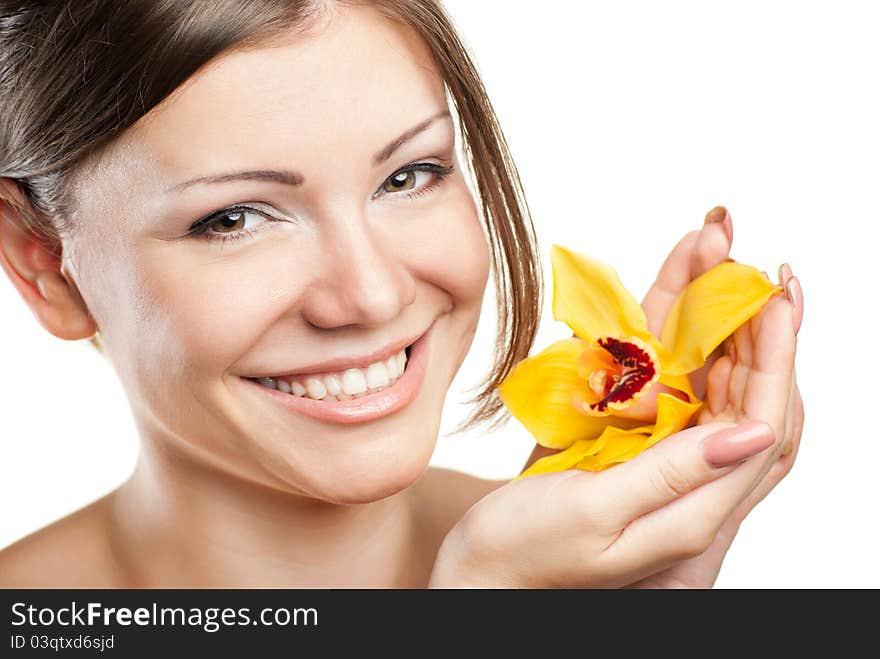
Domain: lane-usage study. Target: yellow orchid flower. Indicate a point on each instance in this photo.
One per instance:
(571, 396)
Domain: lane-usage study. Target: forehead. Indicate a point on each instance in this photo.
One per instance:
(354, 78)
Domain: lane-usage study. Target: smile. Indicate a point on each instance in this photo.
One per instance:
(342, 385)
(353, 395)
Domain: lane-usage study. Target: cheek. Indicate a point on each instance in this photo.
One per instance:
(201, 318)
(450, 251)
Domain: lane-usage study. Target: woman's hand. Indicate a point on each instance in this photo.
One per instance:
(610, 528)
(731, 381)
(666, 518)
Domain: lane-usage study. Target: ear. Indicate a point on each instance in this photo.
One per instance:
(35, 271)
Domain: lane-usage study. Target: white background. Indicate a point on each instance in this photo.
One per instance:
(628, 121)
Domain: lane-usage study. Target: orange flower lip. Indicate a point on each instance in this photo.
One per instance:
(637, 368)
(618, 372)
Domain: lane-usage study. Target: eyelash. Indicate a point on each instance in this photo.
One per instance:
(201, 228)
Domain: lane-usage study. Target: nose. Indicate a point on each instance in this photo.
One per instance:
(363, 280)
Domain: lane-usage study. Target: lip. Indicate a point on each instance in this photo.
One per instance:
(366, 408)
(344, 363)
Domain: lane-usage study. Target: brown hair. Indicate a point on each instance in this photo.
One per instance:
(76, 74)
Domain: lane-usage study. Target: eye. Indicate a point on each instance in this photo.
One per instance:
(404, 181)
(230, 224)
(401, 181)
(232, 221)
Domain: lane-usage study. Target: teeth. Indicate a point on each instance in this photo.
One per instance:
(377, 376)
(333, 385)
(315, 388)
(353, 383)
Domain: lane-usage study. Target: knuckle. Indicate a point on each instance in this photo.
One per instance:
(591, 513)
(671, 479)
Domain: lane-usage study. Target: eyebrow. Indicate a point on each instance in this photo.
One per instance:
(289, 177)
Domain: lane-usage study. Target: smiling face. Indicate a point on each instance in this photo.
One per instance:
(339, 258)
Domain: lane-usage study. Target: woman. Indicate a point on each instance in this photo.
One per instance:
(257, 214)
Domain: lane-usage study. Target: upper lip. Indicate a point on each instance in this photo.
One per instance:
(360, 361)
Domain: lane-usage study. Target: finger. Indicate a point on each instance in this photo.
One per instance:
(789, 417)
(685, 527)
(677, 465)
(697, 252)
(700, 376)
(770, 361)
(712, 248)
(794, 292)
(720, 215)
(772, 365)
(742, 360)
(674, 275)
(743, 353)
(718, 383)
(783, 274)
(779, 470)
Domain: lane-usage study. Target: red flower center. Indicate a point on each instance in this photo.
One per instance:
(618, 372)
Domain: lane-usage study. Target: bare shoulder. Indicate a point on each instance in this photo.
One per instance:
(73, 552)
(444, 496)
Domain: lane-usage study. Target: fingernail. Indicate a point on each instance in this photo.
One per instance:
(735, 444)
(720, 215)
(784, 274)
(796, 295)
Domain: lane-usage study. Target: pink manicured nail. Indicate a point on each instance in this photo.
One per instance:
(735, 444)
(784, 274)
(720, 215)
(796, 295)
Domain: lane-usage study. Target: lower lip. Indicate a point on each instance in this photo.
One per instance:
(366, 408)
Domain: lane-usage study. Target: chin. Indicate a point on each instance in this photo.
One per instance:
(371, 479)
(362, 467)
(370, 486)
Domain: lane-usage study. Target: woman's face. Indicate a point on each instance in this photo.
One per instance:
(334, 257)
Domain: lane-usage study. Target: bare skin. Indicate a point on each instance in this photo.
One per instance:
(232, 490)
(94, 548)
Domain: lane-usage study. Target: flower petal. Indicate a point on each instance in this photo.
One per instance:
(589, 297)
(680, 382)
(563, 460)
(672, 416)
(709, 310)
(540, 391)
(624, 442)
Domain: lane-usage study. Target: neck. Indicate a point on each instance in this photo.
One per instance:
(179, 522)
